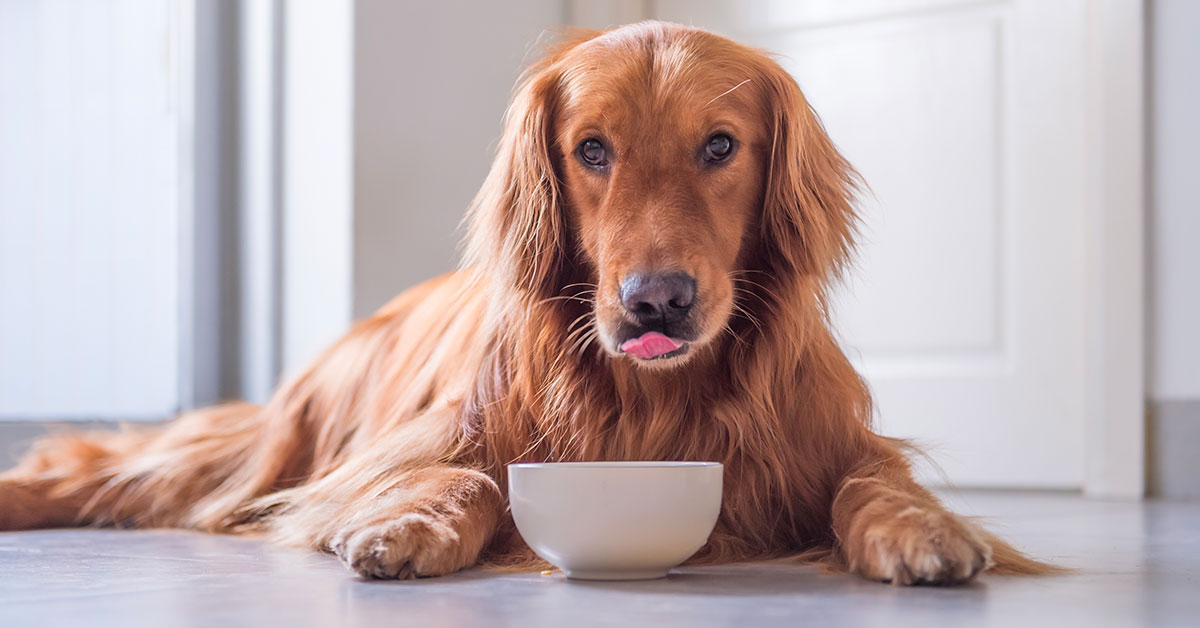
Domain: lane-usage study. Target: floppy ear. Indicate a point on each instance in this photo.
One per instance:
(808, 222)
(516, 222)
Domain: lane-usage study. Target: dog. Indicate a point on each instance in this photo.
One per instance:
(646, 277)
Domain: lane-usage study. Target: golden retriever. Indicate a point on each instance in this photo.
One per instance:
(646, 278)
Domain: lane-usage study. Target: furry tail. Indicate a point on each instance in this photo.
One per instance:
(144, 476)
(55, 483)
(1010, 561)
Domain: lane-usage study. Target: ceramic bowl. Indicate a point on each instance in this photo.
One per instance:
(615, 520)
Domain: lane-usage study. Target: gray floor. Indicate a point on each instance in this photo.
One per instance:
(1138, 564)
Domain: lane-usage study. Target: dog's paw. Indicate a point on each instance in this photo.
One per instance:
(409, 546)
(918, 545)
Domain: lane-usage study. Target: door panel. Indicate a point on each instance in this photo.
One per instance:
(89, 210)
(965, 309)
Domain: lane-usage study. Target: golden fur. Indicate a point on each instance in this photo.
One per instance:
(390, 449)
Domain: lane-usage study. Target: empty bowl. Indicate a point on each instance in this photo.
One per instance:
(615, 520)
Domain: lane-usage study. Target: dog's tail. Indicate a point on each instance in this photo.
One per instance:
(1010, 561)
(144, 476)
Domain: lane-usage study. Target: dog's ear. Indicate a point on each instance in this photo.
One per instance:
(516, 223)
(808, 220)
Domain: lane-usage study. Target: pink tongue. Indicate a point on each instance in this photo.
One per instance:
(650, 345)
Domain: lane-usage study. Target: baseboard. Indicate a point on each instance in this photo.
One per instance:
(1173, 450)
(17, 436)
(1173, 434)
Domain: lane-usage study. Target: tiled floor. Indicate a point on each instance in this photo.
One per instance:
(1138, 564)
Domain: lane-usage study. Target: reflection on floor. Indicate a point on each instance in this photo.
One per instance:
(1137, 564)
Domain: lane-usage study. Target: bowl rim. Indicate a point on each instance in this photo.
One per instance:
(617, 464)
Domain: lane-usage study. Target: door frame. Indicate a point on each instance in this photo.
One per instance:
(1115, 409)
(266, 135)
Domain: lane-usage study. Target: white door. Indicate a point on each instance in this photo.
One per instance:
(90, 209)
(966, 308)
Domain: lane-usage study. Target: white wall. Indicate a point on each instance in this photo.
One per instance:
(1175, 200)
(391, 114)
(431, 82)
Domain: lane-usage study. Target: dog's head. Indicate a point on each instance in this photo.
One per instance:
(672, 179)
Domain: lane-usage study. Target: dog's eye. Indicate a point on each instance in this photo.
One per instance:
(593, 153)
(718, 148)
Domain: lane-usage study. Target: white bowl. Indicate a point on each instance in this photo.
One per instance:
(615, 520)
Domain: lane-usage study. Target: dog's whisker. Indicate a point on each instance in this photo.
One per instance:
(735, 335)
(756, 284)
(585, 284)
(748, 316)
(565, 297)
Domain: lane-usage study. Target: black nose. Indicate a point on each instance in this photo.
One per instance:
(662, 298)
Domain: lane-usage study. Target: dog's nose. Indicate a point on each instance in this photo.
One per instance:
(658, 298)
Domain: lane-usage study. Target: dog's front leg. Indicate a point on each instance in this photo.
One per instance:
(433, 521)
(892, 530)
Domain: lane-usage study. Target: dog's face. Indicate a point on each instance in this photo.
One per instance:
(663, 170)
(679, 171)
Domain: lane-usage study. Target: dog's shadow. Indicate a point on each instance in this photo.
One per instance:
(740, 580)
